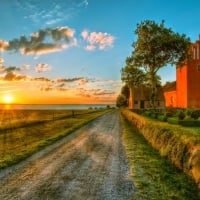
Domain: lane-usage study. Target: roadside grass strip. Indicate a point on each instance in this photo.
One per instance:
(154, 176)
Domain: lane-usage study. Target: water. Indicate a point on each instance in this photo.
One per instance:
(55, 107)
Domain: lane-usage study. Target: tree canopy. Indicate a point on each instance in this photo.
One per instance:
(157, 46)
(131, 74)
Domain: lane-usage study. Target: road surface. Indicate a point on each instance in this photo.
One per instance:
(88, 164)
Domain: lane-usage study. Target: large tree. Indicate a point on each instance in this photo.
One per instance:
(157, 46)
(132, 76)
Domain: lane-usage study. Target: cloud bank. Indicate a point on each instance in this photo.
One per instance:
(56, 39)
(42, 42)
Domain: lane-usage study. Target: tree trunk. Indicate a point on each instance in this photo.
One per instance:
(153, 90)
(131, 97)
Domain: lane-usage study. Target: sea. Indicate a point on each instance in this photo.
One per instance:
(55, 106)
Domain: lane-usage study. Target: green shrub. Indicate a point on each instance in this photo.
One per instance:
(172, 120)
(181, 115)
(162, 118)
(169, 114)
(170, 111)
(188, 112)
(190, 123)
(195, 114)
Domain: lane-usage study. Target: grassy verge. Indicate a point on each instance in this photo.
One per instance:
(179, 144)
(19, 142)
(154, 176)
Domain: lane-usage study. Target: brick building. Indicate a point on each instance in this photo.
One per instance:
(186, 93)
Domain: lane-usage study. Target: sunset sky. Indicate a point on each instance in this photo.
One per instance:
(71, 51)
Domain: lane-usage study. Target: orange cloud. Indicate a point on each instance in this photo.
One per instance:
(3, 45)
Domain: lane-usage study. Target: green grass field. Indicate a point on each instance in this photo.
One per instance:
(24, 132)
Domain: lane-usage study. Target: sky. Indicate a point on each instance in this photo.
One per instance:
(72, 51)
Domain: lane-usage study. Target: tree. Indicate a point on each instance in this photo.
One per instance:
(126, 92)
(157, 46)
(121, 101)
(132, 76)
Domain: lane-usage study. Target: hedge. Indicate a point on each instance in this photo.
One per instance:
(180, 145)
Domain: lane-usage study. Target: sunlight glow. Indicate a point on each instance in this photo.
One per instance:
(8, 99)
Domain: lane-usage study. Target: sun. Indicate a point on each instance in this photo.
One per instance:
(8, 99)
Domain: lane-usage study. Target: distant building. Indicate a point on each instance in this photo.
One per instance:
(186, 91)
(140, 98)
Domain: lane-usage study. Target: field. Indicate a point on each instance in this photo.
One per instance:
(23, 132)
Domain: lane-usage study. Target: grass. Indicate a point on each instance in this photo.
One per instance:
(154, 176)
(23, 133)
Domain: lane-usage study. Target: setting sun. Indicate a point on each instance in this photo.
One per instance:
(8, 99)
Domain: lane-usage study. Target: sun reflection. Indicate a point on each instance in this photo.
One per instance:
(7, 107)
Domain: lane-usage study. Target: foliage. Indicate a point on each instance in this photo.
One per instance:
(195, 114)
(181, 114)
(157, 46)
(131, 74)
(121, 100)
(125, 91)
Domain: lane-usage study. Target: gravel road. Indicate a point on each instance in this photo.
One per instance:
(88, 164)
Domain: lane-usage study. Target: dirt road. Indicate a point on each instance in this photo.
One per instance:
(88, 164)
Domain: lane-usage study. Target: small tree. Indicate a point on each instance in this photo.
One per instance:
(132, 76)
(126, 92)
(121, 101)
(157, 46)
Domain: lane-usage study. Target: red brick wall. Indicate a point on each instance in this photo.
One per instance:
(181, 86)
(170, 99)
(188, 80)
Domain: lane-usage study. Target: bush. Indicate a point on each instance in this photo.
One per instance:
(169, 114)
(190, 123)
(162, 118)
(172, 120)
(188, 112)
(195, 114)
(181, 115)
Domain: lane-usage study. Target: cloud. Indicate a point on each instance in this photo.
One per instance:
(41, 79)
(37, 12)
(1, 61)
(42, 42)
(3, 45)
(69, 79)
(90, 47)
(83, 81)
(84, 3)
(25, 67)
(11, 68)
(12, 76)
(98, 40)
(42, 67)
